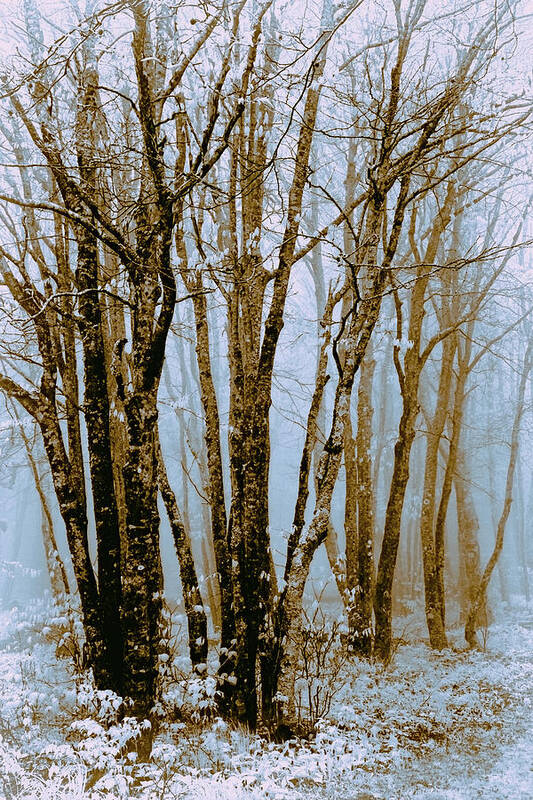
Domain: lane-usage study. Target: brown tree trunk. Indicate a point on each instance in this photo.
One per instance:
(217, 503)
(142, 575)
(270, 662)
(350, 448)
(409, 377)
(194, 608)
(97, 415)
(467, 529)
(525, 518)
(391, 536)
(480, 596)
(362, 635)
(289, 610)
(56, 568)
(96, 399)
(362, 323)
(497, 376)
(75, 518)
(114, 330)
(252, 346)
(350, 527)
(427, 517)
(336, 562)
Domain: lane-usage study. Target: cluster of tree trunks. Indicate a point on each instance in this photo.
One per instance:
(112, 293)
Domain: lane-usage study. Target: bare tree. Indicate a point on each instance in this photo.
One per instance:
(480, 595)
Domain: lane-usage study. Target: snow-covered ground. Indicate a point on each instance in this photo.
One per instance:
(449, 726)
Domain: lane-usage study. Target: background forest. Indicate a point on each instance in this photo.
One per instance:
(266, 344)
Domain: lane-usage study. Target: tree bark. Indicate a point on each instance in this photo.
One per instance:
(252, 350)
(391, 537)
(96, 399)
(289, 608)
(75, 518)
(362, 632)
(433, 439)
(480, 596)
(409, 378)
(194, 608)
(467, 528)
(215, 486)
(142, 575)
(56, 568)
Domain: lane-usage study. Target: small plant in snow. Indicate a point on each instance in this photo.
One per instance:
(200, 694)
(189, 699)
(103, 706)
(321, 661)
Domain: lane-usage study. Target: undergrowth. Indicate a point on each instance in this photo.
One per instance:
(61, 738)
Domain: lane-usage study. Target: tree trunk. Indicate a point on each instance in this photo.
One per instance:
(142, 576)
(96, 409)
(480, 596)
(391, 536)
(467, 529)
(350, 528)
(114, 327)
(253, 347)
(522, 541)
(493, 489)
(409, 378)
(56, 568)
(336, 561)
(96, 399)
(362, 637)
(75, 518)
(289, 609)
(428, 532)
(194, 608)
(216, 478)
